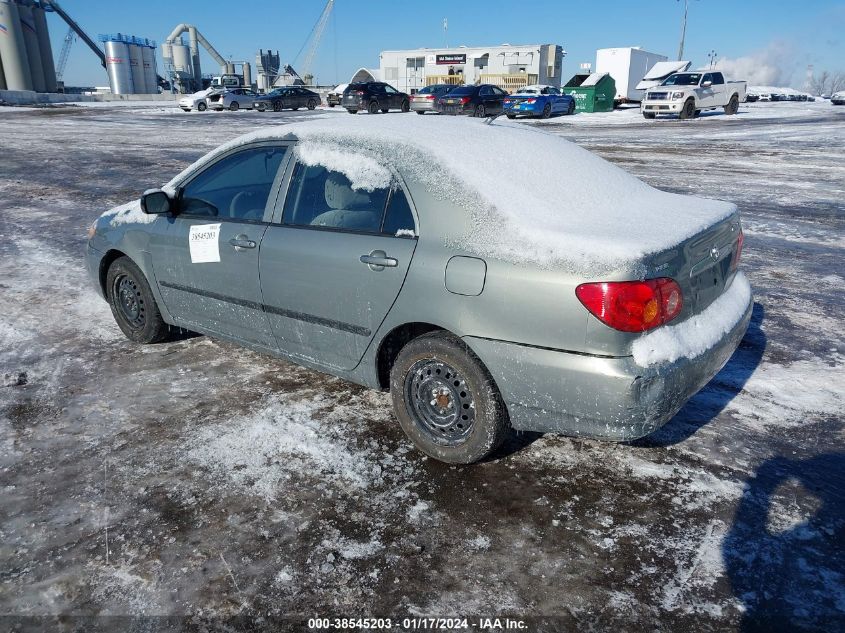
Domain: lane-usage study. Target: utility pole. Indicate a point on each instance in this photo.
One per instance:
(683, 31)
(712, 57)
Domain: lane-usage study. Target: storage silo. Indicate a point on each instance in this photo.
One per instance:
(13, 48)
(182, 59)
(33, 52)
(136, 66)
(45, 48)
(148, 53)
(117, 66)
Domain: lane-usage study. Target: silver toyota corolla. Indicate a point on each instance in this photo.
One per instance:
(462, 284)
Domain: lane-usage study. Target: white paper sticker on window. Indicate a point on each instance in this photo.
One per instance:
(204, 243)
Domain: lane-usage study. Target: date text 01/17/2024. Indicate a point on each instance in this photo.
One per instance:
(417, 624)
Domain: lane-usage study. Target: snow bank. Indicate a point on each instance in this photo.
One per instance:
(698, 333)
(532, 196)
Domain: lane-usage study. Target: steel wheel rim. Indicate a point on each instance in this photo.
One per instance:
(440, 402)
(130, 303)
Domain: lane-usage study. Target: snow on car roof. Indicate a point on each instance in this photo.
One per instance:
(532, 196)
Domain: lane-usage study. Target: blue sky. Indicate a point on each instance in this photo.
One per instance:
(783, 37)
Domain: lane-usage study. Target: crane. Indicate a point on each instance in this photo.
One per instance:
(63, 56)
(315, 36)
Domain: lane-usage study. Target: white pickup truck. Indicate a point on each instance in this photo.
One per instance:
(687, 94)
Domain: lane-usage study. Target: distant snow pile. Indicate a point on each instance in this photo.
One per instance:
(699, 333)
(531, 196)
(129, 213)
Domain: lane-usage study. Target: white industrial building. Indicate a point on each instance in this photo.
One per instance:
(509, 67)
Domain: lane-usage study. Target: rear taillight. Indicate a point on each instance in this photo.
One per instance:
(465, 100)
(737, 251)
(632, 306)
(530, 101)
(430, 97)
(360, 93)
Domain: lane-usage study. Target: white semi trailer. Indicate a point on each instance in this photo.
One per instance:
(627, 66)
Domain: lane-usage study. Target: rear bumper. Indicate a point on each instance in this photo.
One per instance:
(598, 397)
(530, 109)
(422, 106)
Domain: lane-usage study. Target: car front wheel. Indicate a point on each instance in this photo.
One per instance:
(234, 106)
(571, 109)
(312, 104)
(446, 401)
(406, 106)
(132, 303)
(688, 111)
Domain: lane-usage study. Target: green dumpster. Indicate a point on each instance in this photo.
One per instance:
(592, 93)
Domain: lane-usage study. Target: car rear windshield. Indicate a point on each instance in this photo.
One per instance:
(352, 87)
(462, 90)
(682, 79)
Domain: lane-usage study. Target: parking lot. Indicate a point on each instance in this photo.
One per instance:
(195, 478)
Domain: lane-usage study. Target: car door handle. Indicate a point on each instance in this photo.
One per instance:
(242, 241)
(378, 260)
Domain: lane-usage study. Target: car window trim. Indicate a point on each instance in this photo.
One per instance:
(269, 205)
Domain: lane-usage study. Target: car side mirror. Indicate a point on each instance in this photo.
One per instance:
(156, 202)
(706, 84)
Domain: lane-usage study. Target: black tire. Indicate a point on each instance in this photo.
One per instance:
(234, 106)
(385, 110)
(331, 105)
(260, 108)
(511, 116)
(351, 111)
(571, 109)
(406, 106)
(372, 107)
(277, 106)
(733, 105)
(420, 111)
(465, 422)
(480, 111)
(132, 303)
(547, 111)
(688, 111)
(311, 104)
(201, 107)
(649, 115)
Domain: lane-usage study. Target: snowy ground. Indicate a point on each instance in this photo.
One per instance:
(196, 478)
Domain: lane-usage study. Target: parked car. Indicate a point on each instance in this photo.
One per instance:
(336, 96)
(374, 96)
(288, 97)
(480, 101)
(687, 94)
(766, 96)
(838, 98)
(197, 101)
(388, 261)
(751, 97)
(538, 101)
(423, 101)
(233, 99)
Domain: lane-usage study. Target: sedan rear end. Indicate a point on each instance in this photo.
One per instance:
(425, 100)
(461, 100)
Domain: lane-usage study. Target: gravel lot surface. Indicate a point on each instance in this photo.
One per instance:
(195, 478)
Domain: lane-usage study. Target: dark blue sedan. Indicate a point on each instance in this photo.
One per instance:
(539, 101)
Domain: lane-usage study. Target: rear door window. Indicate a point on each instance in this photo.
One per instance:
(399, 219)
(321, 199)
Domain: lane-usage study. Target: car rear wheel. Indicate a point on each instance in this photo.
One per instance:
(132, 303)
(234, 106)
(547, 111)
(312, 104)
(688, 111)
(351, 111)
(202, 107)
(571, 108)
(480, 111)
(733, 105)
(406, 106)
(446, 401)
(372, 108)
